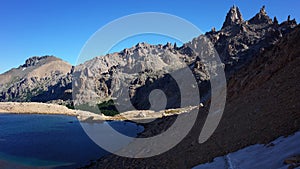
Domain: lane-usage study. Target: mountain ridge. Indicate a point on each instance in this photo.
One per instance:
(236, 42)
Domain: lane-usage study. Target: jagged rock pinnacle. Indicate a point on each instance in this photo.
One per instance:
(261, 17)
(233, 17)
(263, 10)
(275, 21)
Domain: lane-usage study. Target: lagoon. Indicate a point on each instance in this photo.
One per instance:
(50, 141)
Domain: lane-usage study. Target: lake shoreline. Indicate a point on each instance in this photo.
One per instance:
(54, 109)
(34, 108)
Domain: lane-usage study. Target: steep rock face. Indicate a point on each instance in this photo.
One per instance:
(267, 64)
(140, 66)
(45, 76)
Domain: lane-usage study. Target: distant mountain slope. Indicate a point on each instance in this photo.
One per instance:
(35, 78)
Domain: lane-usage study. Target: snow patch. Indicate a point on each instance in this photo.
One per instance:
(259, 155)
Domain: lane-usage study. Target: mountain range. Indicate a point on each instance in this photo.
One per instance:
(260, 57)
(49, 79)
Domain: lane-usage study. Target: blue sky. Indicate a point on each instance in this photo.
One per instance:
(61, 27)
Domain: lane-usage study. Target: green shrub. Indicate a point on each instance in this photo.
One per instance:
(107, 108)
(109, 112)
(70, 106)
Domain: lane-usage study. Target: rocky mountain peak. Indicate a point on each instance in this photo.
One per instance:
(233, 17)
(261, 17)
(32, 61)
(39, 79)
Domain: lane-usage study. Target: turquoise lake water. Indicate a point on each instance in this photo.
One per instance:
(50, 141)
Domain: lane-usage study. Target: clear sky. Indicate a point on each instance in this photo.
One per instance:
(61, 27)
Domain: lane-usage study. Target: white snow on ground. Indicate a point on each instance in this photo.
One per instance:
(259, 156)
